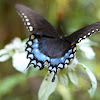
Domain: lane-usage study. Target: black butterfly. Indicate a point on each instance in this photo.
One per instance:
(46, 47)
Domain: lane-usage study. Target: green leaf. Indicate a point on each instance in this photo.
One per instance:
(73, 78)
(63, 79)
(8, 83)
(47, 87)
(65, 93)
(92, 79)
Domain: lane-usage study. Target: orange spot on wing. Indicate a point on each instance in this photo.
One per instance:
(72, 43)
(41, 35)
(46, 62)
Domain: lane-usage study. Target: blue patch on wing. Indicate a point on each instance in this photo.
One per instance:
(35, 40)
(42, 57)
(39, 55)
(35, 45)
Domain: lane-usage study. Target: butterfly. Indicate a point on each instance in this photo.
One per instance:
(45, 46)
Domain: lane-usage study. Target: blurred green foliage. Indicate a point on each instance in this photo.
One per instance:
(69, 14)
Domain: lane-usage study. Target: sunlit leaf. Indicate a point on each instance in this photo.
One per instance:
(89, 53)
(85, 46)
(63, 79)
(47, 87)
(8, 83)
(73, 78)
(87, 42)
(92, 79)
(73, 65)
(65, 93)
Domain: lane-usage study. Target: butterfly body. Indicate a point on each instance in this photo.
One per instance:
(45, 46)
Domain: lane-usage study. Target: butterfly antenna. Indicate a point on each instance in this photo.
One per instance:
(62, 29)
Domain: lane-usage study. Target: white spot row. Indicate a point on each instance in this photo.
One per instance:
(50, 68)
(74, 49)
(31, 56)
(65, 66)
(27, 19)
(71, 56)
(23, 14)
(27, 22)
(79, 39)
(67, 61)
(88, 35)
(60, 66)
(29, 49)
(97, 29)
(54, 69)
(30, 28)
(84, 36)
(33, 62)
(39, 64)
(30, 43)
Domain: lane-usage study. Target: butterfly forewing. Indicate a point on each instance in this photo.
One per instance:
(36, 23)
(83, 33)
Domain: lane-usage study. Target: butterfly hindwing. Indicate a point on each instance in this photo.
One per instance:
(36, 23)
(49, 49)
(83, 33)
(51, 52)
